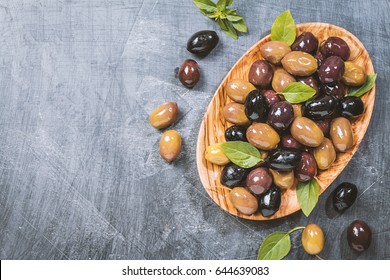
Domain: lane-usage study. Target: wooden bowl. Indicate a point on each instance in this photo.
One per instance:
(214, 125)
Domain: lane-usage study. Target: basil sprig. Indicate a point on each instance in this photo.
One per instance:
(297, 92)
(369, 84)
(283, 29)
(307, 194)
(241, 153)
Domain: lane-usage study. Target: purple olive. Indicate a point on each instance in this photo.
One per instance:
(310, 81)
(331, 71)
(306, 168)
(271, 97)
(324, 125)
(281, 115)
(335, 46)
(306, 42)
(289, 142)
(189, 73)
(359, 235)
(259, 180)
(320, 58)
(260, 73)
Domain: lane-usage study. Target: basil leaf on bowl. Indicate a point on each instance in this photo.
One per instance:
(307, 194)
(369, 84)
(298, 92)
(241, 153)
(283, 29)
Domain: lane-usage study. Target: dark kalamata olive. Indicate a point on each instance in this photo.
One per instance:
(320, 108)
(289, 142)
(335, 46)
(338, 90)
(189, 73)
(281, 115)
(256, 108)
(269, 202)
(331, 70)
(344, 196)
(320, 58)
(233, 175)
(351, 106)
(306, 42)
(260, 73)
(306, 168)
(359, 235)
(259, 180)
(271, 97)
(236, 133)
(203, 42)
(324, 125)
(284, 160)
(310, 81)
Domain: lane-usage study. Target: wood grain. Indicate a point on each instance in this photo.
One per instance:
(213, 125)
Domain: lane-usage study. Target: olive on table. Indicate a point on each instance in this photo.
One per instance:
(189, 73)
(170, 145)
(259, 180)
(256, 108)
(271, 97)
(337, 90)
(335, 46)
(274, 51)
(325, 154)
(306, 42)
(341, 134)
(281, 80)
(238, 90)
(310, 81)
(281, 115)
(284, 160)
(269, 201)
(354, 75)
(289, 142)
(214, 154)
(324, 125)
(299, 63)
(236, 133)
(313, 239)
(331, 70)
(235, 113)
(306, 168)
(233, 175)
(260, 73)
(283, 179)
(359, 236)
(351, 106)
(320, 108)
(164, 115)
(243, 200)
(344, 196)
(262, 136)
(306, 132)
(203, 42)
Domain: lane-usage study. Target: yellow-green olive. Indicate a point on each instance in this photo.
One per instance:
(170, 145)
(281, 79)
(341, 134)
(306, 132)
(235, 113)
(164, 115)
(297, 108)
(214, 154)
(325, 154)
(238, 90)
(243, 200)
(354, 75)
(299, 63)
(262, 136)
(283, 179)
(313, 239)
(274, 51)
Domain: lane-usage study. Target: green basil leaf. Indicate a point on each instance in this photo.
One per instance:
(275, 246)
(369, 84)
(231, 11)
(241, 153)
(221, 5)
(234, 17)
(230, 30)
(222, 24)
(283, 28)
(205, 6)
(240, 25)
(229, 2)
(297, 92)
(308, 193)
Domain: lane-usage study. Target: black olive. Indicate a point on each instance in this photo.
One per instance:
(256, 106)
(284, 160)
(359, 236)
(351, 106)
(306, 42)
(320, 108)
(233, 175)
(338, 90)
(203, 42)
(236, 133)
(269, 202)
(344, 196)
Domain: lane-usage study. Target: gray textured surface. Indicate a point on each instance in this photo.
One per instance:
(80, 175)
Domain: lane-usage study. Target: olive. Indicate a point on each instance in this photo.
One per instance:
(283, 179)
(341, 134)
(164, 115)
(297, 108)
(325, 154)
(284, 160)
(243, 200)
(344, 196)
(189, 73)
(271, 97)
(351, 106)
(313, 239)
(269, 201)
(238, 90)
(359, 236)
(310, 81)
(233, 175)
(324, 125)
(289, 142)
(256, 108)
(306, 168)
(236, 133)
(274, 51)
(354, 75)
(262, 136)
(306, 42)
(331, 70)
(281, 115)
(338, 90)
(281, 79)
(320, 108)
(170, 145)
(320, 58)
(299, 63)
(203, 42)
(335, 46)
(260, 73)
(235, 113)
(214, 154)
(306, 132)
(259, 180)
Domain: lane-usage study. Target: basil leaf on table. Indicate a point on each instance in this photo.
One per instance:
(307, 194)
(298, 92)
(369, 84)
(275, 246)
(283, 29)
(241, 153)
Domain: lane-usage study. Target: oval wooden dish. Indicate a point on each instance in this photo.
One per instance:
(214, 125)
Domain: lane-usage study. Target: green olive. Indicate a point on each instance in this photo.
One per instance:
(281, 79)
(214, 154)
(170, 145)
(299, 63)
(262, 136)
(274, 51)
(313, 239)
(325, 154)
(243, 200)
(164, 115)
(354, 75)
(283, 179)
(306, 132)
(297, 108)
(238, 90)
(235, 113)
(341, 134)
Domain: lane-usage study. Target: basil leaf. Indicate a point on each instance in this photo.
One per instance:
(283, 28)
(205, 6)
(297, 92)
(234, 17)
(221, 5)
(308, 193)
(222, 24)
(241, 153)
(230, 30)
(229, 2)
(240, 25)
(369, 84)
(275, 246)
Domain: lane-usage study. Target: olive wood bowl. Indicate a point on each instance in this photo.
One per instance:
(214, 125)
